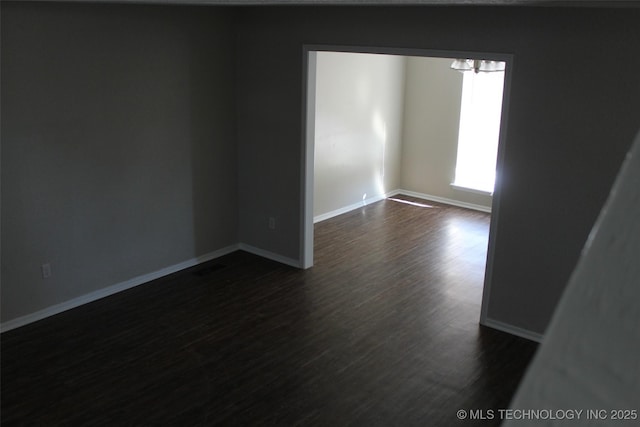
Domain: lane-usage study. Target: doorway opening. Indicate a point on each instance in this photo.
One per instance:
(382, 126)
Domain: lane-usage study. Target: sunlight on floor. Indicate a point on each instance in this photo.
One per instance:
(421, 205)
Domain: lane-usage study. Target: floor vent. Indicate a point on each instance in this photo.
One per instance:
(208, 269)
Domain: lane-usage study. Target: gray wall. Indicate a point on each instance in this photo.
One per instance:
(430, 132)
(118, 130)
(589, 359)
(570, 124)
(118, 145)
(358, 111)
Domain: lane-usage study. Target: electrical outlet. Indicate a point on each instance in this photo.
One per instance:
(46, 270)
(272, 223)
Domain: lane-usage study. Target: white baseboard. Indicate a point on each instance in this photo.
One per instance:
(392, 193)
(504, 327)
(270, 255)
(444, 200)
(136, 281)
(110, 290)
(353, 206)
(513, 330)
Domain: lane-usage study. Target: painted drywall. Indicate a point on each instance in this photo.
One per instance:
(590, 357)
(430, 130)
(118, 145)
(358, 121)
(570, 126)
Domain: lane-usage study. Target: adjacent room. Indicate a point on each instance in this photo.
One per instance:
(388, 126)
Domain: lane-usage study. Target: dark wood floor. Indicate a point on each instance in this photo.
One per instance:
(382, 331)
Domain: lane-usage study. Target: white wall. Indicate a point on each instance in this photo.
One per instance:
(359, 103)
(430, 130)
(385, 123)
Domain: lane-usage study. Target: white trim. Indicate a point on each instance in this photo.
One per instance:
(308, 148)
(495, 200)
(470, 190)
(270, 255)
(446, 201)
(353, 206)
(392, 193)
(513, 330)
(113, 289)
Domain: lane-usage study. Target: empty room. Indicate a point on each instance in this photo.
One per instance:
(160, 264)
(388, 126)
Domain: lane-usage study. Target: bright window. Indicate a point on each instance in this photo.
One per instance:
(480, 111)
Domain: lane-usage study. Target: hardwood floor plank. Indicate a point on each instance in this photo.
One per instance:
(383, 330)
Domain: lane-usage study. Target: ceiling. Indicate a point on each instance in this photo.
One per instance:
(538, 3)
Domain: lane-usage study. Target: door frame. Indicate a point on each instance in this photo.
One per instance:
(309, 56)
